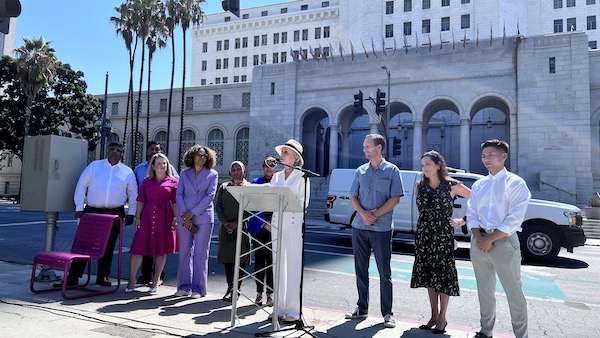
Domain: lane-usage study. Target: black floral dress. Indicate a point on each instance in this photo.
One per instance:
(434, 265)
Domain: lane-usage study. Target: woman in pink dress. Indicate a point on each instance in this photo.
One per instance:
(155, 225)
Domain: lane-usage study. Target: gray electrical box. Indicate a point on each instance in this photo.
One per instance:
(51, 168)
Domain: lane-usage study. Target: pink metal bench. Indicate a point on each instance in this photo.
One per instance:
(90, 243)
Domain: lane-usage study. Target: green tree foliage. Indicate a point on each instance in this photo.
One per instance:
(61, 107)
(36, 64)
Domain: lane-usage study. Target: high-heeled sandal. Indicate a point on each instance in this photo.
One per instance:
(426, 326)
(269, 299)
(259, 299)
(440, 331)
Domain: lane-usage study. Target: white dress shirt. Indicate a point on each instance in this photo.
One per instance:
(498, 202)
(103, 185)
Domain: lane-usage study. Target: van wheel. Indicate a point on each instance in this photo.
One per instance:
(539, 242)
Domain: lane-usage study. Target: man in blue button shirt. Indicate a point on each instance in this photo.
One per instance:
(376, 189)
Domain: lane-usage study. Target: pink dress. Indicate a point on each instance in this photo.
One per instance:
(155, 236)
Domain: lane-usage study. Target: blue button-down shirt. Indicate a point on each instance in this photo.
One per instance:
(374, 187)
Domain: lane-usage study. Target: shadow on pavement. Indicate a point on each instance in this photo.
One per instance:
(559, 262)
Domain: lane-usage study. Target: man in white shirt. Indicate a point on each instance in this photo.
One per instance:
(140, 172)
(104, 187)
(495, 213)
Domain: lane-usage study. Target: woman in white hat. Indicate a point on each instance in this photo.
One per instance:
(290, 268)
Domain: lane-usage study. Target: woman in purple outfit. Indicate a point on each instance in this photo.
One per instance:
(195, 195)
(155, 219)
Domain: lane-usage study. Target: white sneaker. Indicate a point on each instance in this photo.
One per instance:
(182, 293)
(356, 314)
(196, 295)
(389, 322)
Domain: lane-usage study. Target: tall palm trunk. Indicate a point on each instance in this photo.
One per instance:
(182, 108)
(172, 34)
(138, 109)
(148, 98)
(28, 105)
(129, 98)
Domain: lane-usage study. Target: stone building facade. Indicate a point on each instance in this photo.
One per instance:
(539, 93)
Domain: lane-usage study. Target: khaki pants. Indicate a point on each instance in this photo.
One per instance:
(503, 260)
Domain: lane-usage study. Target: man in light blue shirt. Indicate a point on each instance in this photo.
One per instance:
(141, 171)
(495, 213)
(375, 191)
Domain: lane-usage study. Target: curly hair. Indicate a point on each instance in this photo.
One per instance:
(211, 159)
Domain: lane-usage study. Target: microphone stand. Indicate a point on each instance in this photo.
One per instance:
(299, 325)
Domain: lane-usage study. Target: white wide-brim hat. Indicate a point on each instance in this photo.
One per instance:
(295, 146)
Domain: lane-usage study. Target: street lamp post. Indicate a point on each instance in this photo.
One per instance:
(388, 117)
(103, 123)
(103, 128)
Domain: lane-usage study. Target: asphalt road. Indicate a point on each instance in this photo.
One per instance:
(562, 294)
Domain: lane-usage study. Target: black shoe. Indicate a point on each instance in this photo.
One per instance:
(426, 326)
(440, 331)
(481, 335)
(103, 282)
(70, 282)
(228, 295)
(143, 280)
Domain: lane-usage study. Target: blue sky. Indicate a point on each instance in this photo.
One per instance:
(82, 35)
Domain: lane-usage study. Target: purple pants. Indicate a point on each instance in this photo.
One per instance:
(192, 274)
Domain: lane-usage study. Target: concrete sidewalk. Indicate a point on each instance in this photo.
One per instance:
(141, 314)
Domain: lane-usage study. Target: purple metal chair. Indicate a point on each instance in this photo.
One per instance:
(90, 243)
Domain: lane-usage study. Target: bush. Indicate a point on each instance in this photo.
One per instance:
(594, 202)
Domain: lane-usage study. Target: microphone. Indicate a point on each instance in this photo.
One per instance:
(272, 162)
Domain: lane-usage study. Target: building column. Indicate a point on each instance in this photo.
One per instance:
(346, 148)
(333, 146)
(417, 144)
(465, 147)
(514, 147)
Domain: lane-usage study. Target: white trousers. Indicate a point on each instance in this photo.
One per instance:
(290, 264)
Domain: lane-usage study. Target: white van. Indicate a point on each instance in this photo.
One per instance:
(548, 226)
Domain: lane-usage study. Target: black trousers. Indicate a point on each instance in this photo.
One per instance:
(78, 266)
(229, 270)
(263, 257)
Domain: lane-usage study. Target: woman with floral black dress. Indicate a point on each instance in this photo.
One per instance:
(434, 266)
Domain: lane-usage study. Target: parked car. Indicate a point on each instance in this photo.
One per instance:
(548, 225)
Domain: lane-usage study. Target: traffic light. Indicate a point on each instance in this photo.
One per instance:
(380, 102)
(232, 5)
(397, 146)
(8, 9)
(358, 102)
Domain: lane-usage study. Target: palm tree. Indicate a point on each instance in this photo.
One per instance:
(172, 20)
(36, 66)
(156, 38)
(126, 27)
(191, 13)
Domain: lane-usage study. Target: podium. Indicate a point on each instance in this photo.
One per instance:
(255, 199)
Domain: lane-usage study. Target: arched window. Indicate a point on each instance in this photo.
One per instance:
(161, 137)
(241, 145)
(189, 139)
(113, 138)
(215, 142)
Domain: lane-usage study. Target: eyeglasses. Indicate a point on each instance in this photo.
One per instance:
(202, 155)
